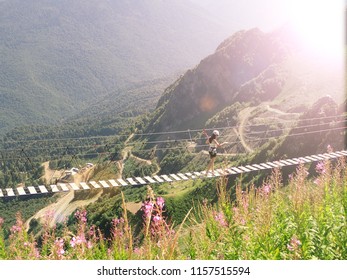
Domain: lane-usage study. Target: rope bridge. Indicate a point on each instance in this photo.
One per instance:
(159, 179)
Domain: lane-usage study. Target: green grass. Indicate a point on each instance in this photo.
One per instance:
(304, 219)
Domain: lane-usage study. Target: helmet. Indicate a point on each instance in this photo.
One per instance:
(216, 132)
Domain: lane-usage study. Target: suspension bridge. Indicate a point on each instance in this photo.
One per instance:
(168, 178)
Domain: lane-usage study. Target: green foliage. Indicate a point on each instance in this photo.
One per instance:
(227, 117)
(59, 59)
(136, 168)
(175, 160)
(27, 206)
(301, 220)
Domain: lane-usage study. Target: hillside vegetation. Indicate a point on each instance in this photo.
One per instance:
(305, 219)
(59, 57)
(269, 101)
(251, 68)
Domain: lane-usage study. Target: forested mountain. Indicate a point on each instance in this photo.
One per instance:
(250, 68)
(266, 95)
(59, 57)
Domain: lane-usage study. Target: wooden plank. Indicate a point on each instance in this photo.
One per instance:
(10, 192)
(285, 162)
(266, 165)
(21, 191)
(198, 174)
(84, 186)
(310, 158)
(113, 183)
(317, 157)
(278, 163)
(217, 173)
(190, 175)
(74, 186)
(258, 166)
(243, 168)
(304, 160)
(54, 188)
(132, 181)
(222, 172)
(122, 182)
(149, 179)
(230, 171)
(252, 168)
(335, 154)
(166, 178)
(160, 180)
(104, 184)
(141, 181)
(95, 185)
(236, 169)
(64, 187)
(177, 178)
(272, 164)
(293, 161)
(183, 176)
(32, 190)
(330, 156)
(325, 156)
(43, 189)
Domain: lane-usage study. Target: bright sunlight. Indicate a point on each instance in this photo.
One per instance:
(320, 24)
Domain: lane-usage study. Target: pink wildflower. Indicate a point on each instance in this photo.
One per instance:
(15, 228)
(160, 202)
(77, 241)
(59, 245)
(1, 221)
(81, 215)
(73, 242)
(117, 221)
(92, 231)
(37, 253)
(147, 208)
(293, 244)
(219, 217)
(267, 189)
(137, 251)
(156, 219)
(320, 167)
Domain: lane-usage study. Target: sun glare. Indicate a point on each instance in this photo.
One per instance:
(320, 24)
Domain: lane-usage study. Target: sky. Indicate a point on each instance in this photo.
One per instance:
(320, 23)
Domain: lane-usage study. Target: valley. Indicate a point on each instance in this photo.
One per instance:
(124, 97)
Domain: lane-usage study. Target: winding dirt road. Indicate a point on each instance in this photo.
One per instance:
(65, 206)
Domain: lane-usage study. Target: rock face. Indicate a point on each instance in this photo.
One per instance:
(245, 67)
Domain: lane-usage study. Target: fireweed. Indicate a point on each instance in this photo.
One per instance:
(306, 219)
(160, 238)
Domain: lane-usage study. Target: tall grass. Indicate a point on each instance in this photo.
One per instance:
(306, 219)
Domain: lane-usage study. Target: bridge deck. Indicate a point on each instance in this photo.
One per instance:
(159, 179)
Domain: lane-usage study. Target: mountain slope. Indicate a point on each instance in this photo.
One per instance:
(58, 57)
(249, 67)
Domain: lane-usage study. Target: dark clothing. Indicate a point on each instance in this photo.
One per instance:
(212, 151)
